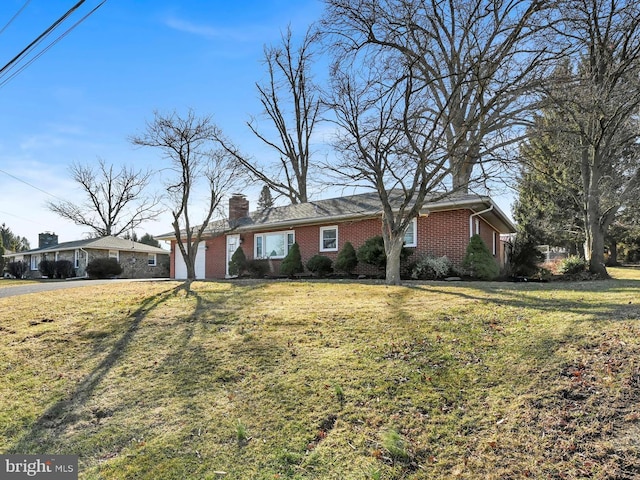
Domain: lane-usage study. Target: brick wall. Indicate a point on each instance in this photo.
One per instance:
(439, 234)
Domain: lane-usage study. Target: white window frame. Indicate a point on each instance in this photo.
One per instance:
(287, 245)
(495, 243)
(116, 256)
(76, 259)
(414, 225)
(327, 229)
(35, 261)
(477, 225)
(152, 259)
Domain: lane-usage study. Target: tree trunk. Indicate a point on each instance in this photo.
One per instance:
(594, 237)
(393, 244)
(596, 262)
(613, 253)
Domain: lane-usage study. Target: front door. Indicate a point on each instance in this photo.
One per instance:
(233, 242)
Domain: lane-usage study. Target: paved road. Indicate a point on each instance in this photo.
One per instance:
(46, 286)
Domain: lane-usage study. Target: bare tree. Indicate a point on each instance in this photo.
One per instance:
(599, 97)
(423, 90)
(389, 144)
(116, 201)
(475, 59)
(188, 143)
(291, 105)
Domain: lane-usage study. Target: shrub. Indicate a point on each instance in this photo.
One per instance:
(431, 268)
(347, 260)
(103, 268)
(572, 265)
(292, 263)
(525, 257)
(17, 269)
(258, 268)
(238, 263)
(320, 265)
(64, 269)
(47, 268)
(372, 252)
(478, 260)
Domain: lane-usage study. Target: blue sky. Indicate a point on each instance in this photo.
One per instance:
(85, 96)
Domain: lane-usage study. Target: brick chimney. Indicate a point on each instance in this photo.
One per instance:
(47, 239)
(238, 207)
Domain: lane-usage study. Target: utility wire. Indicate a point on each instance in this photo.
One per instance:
(15, 16)
(32, 186)
(41, 36)
(3, 82)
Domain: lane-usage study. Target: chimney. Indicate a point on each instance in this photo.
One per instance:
(238, 207)
(47, 239)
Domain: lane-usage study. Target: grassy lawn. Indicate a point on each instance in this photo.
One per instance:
(12, 282)
(327, 380)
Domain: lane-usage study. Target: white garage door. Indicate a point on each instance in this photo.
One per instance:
(181, 267)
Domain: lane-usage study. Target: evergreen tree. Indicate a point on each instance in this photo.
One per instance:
(479, 261)
(148, 239)
(347, 260)
(266, 200)
(292, 263)
(238, 263)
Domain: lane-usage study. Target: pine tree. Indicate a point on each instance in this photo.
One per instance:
(292, 263)
(266, 200)
(347, 260)
(479, 261)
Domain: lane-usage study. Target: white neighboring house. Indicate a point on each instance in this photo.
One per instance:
(137, 260)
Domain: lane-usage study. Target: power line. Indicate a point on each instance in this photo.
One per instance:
(32, 186)
(44, 50)
(15, 16)
(27, 50)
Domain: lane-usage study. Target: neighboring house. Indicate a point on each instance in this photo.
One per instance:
(324, 226)
(137, 259)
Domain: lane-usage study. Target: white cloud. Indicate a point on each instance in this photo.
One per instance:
(241, 34)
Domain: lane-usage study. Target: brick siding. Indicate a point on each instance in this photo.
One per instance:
(439, 234)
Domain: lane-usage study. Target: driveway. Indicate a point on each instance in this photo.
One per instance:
(46, 286)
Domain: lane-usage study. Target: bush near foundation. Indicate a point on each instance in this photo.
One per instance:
(478, 260)
(103, 268)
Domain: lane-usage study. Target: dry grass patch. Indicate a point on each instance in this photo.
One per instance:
(327, 379)
(12, 282)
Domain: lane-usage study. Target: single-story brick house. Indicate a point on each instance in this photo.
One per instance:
(138, 260)
(322, 227)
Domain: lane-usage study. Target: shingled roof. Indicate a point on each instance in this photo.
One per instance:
(361, 206)
(101, 243)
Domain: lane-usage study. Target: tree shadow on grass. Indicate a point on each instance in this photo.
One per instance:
(53, 423)
(523, 296)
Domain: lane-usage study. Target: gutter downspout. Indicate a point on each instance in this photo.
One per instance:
(475, 215)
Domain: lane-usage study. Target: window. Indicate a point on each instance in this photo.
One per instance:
(76, 259)
(329, 239)
(273, 245)
(477, 222)
(35, 261)
(151, 260)
(495, 244)
(410, 239)
(114, 254)
(57, 256)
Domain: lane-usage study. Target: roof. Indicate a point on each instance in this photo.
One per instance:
(361, 206)
(101, 243)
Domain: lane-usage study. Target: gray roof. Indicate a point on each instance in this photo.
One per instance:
(351, 207)
(101, 243)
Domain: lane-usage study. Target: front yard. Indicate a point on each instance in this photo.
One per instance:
(327, 380)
